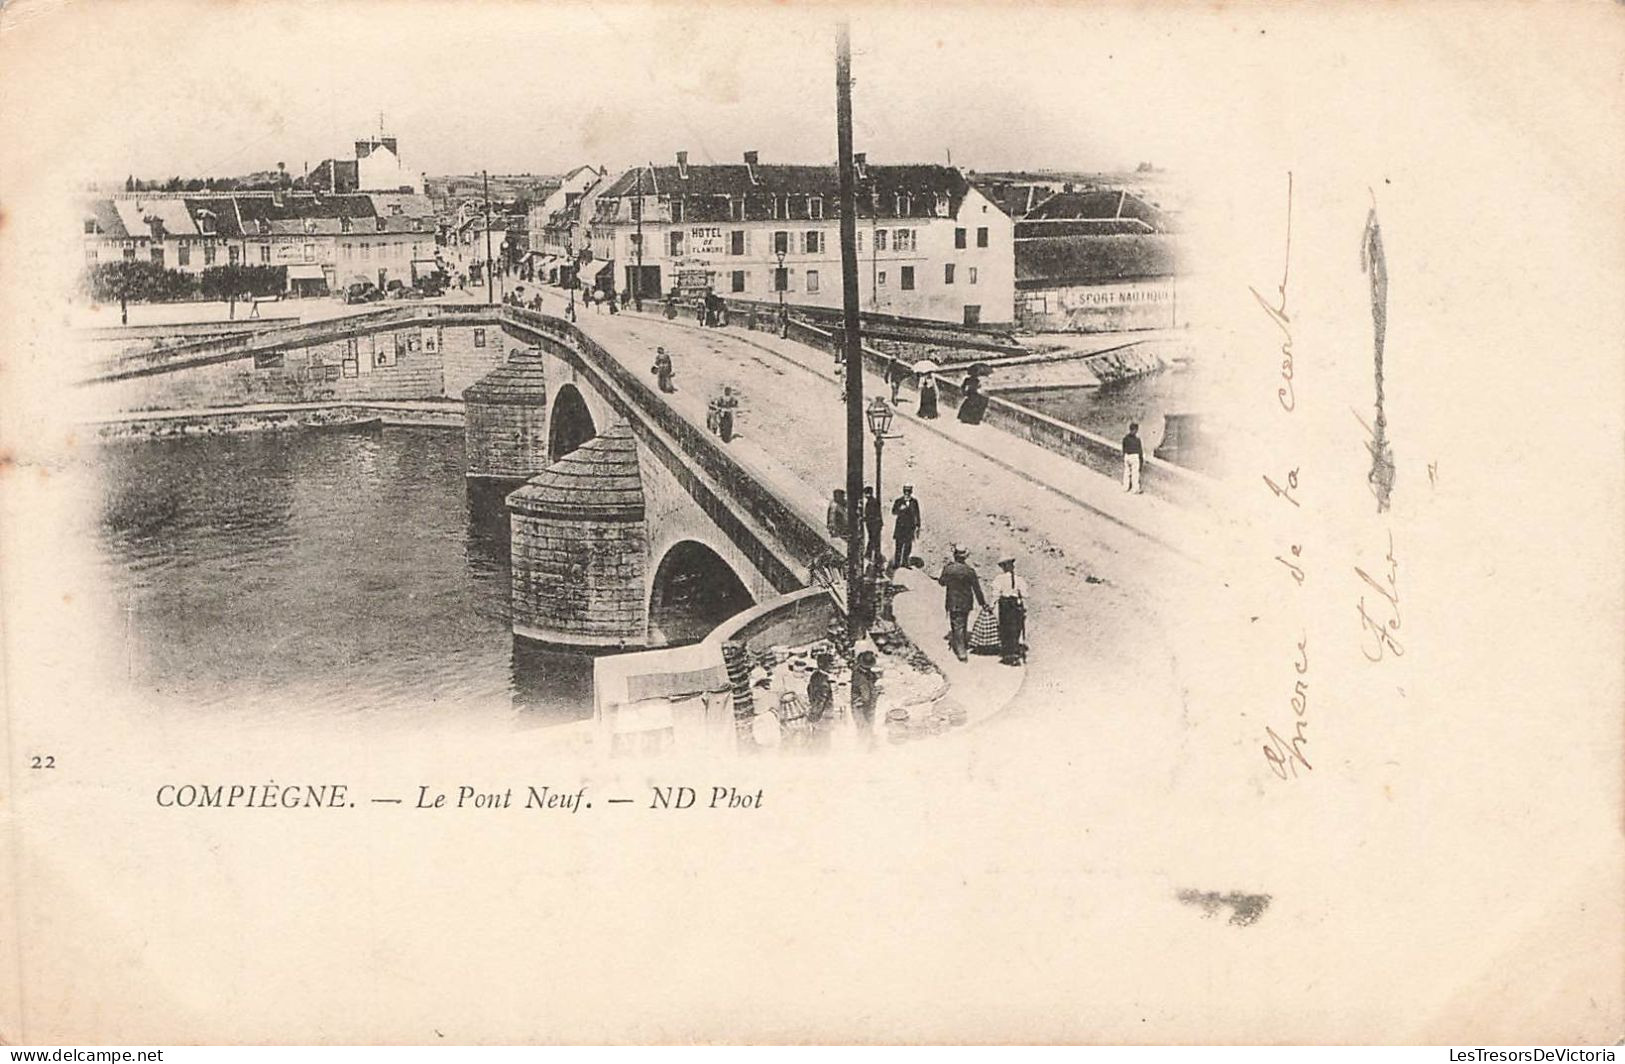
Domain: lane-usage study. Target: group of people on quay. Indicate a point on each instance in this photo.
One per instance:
(1001, 623)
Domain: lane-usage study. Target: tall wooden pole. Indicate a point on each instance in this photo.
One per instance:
(852, 343)
(489, 280)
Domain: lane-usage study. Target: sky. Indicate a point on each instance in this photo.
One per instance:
(224, 88)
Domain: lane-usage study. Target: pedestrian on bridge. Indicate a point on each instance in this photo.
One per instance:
(928, 396)
(835, 519)
(1011, 591)
(873, 523)
(906, 523)
(963, 591)
(664, 370)
(1133, 458)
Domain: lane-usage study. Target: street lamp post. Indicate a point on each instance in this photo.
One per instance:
(637, 271)
(880, 416)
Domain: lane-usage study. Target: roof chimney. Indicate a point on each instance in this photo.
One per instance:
(750, 164)
(860, 164)
(682, 165)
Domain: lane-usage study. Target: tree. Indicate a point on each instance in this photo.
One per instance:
(129, 183)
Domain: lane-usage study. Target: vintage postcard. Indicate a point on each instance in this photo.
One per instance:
(650, 523)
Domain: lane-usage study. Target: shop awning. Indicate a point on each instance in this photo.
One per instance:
(590, 270)
(306, 271)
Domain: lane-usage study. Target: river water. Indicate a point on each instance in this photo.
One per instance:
(320, 571)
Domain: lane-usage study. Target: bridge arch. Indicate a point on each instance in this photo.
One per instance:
(693, 590)
(570, 422)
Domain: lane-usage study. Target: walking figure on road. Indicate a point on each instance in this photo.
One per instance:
(835, 519)
(1133, 458)
(895, 375)
(928, 396)
(873, 522)
(1012, 596)
(726, 405)
(663, 370)
(906, 522)
(963, 591)
(974, 404)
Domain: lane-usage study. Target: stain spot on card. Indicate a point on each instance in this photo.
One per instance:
(1245, 909)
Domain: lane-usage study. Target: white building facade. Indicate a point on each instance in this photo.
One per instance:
(930, 245)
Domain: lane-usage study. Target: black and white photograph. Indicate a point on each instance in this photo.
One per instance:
(659, 523)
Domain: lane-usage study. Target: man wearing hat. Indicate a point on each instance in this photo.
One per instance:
(1012, 595)
(905, 526)
(963, 591)
(864, 691)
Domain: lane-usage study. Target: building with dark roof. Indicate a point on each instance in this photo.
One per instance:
(324, 241)
(1096, 283)
(930, 244)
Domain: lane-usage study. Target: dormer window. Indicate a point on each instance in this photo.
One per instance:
(815, 207)
(205, 222)
(677, 210)
(736, 208)
(264, 226)
(310, 225)
(90, 227)
(396, 209)
(381, 224)
(942, 205)
(345, 225)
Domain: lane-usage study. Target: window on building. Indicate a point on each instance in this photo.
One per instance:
(908, 278)
(676, 210)
(815, 207)
(90, 227)
(349, 250)
(205, 222)
(675, 239)
(781, 243)
(129, 254)
(208, 254)
(310, 225)
(479, 337)
(859, 245)
(981, 236)
(786, 207)
(397, 209)
(812, 280)
(880, 239)
(812, 242)
(158, 255)
(183, 256)
(959, 238)
(903, 240)
(90, 254)
(881, 278)
(973, 314)
(972, 277)
(382, 225)
(736, 208)
(781, 279)
(345, 225)
(738, 281)
(265, 226)
(233, 255)
(947, 273)
(736, 242)
(366, 250)
(310, 252)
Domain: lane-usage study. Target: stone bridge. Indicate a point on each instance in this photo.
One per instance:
(629, 526)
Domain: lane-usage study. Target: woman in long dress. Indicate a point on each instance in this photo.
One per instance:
(928, 395)
(974, 404)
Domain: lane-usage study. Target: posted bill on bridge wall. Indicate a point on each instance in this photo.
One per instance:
(424, 555)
